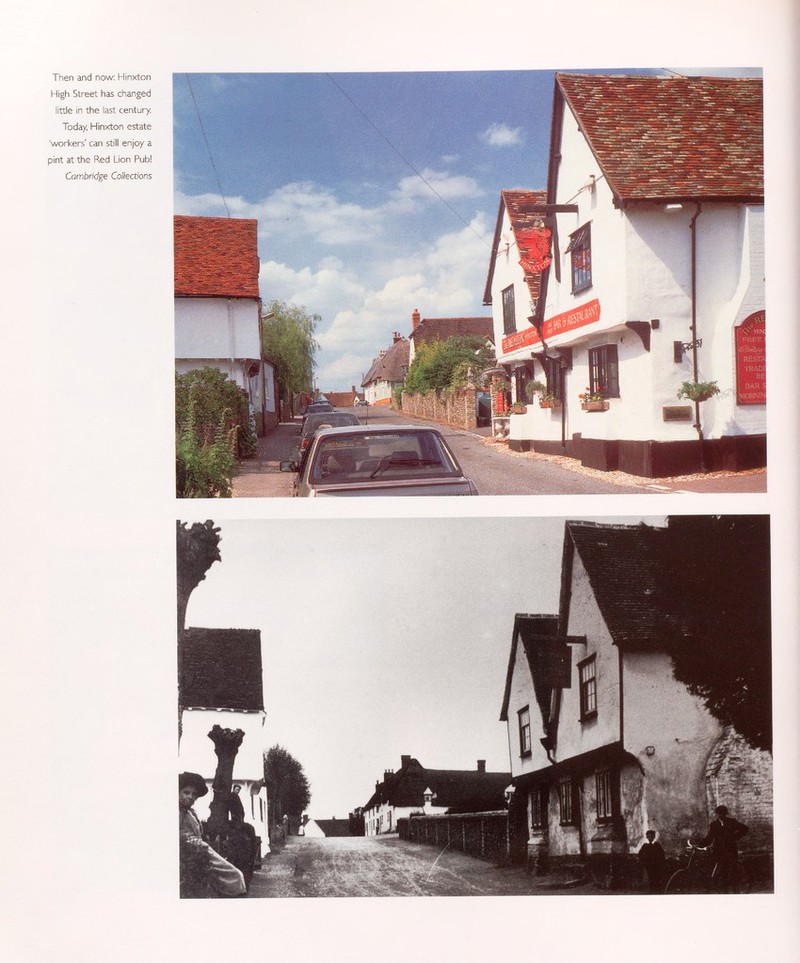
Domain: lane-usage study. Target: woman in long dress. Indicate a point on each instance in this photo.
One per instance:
(223, 877)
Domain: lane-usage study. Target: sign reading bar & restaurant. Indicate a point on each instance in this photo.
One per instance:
(751, 360)
(560, 323)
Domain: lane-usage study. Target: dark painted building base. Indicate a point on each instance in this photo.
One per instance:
(657, 459)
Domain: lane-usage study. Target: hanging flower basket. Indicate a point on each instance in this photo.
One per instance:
(698, 390)
(594, 405)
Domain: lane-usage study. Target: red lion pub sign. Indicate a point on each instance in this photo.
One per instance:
(751, 360)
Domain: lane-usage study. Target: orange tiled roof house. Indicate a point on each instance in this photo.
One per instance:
(218, 307)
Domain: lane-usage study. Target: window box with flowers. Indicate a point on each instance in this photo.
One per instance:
(549, 401)
(519, 408)
(593, 400)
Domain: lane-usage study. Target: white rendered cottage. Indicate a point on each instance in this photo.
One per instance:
(218, 307)
(604, 742)
(642, 268)
(221, 685)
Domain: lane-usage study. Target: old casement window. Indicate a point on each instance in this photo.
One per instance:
(566, 802)
(580, 249)
(509, 317)
(539, 807)
(604, 371)
(554, 376)
(606, 792)
(524, 717)
(587, 680)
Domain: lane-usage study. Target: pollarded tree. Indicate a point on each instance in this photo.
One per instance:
(289, 342)
(717, 591)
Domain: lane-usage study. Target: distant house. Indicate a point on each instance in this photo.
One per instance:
(428, 330)
(640, 269)
(343, 399)
(387, 372)
(415, 789)
(221, 684)
(218, 307)
(326, 828)
(605, 743)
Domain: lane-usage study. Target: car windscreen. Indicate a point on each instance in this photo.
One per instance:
(334, 419)
(366, 457)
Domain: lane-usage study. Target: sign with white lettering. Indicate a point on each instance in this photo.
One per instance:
(751, 360)
(560, 323)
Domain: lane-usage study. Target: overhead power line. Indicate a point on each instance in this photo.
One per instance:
(405, 160)
(208, 146)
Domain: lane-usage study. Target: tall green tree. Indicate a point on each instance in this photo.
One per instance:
(288, 790)
(289, 341)
(717, 589)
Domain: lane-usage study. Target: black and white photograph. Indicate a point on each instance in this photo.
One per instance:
(425, 717)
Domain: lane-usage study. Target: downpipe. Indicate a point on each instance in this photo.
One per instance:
(695, 373)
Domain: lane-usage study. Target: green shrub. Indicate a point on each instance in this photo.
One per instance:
(212, 428)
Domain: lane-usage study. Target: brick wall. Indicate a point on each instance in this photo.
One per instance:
(740, 778)
(456, 408)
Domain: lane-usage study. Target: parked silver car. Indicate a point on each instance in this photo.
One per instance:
(379, 460)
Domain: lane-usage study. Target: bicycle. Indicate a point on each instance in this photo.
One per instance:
(699, 874)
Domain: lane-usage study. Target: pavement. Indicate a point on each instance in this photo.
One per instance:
(261, 477)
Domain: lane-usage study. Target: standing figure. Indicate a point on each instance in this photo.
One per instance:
(652, 858)
(197, 857)
(723, 836)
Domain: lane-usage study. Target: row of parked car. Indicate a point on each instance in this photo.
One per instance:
(337, 455)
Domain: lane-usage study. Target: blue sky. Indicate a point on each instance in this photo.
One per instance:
(375, 193)
(326, 163)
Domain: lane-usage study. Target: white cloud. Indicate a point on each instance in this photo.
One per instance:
(362, 293)
(500, 135)
(448, 186)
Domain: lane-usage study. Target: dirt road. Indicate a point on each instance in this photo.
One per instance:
(388, 866)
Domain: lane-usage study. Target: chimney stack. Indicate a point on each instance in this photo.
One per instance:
(397, 337)
(404, 761)
(415, 319)
(481, 765)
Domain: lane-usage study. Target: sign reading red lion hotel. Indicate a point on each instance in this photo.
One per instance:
(751, 360)
(576, 318)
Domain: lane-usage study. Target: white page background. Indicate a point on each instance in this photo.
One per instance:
(89, 869)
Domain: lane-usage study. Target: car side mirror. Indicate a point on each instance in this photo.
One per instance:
(289, 466)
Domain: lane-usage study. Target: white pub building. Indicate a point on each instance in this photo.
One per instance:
(628, 298)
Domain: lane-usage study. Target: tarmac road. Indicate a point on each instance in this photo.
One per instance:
(494, 469)
(388, 866)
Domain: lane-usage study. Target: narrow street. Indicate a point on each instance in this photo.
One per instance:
(494, 469)
(388, 866)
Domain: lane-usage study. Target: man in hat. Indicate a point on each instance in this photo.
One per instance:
(223, 877)
(723, 836)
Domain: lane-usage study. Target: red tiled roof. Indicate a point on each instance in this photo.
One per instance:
(659, 138)
(524, 219)
(216, 257)
(440, 329)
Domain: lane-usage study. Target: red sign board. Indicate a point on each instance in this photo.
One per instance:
(751, 360)
(576, 318)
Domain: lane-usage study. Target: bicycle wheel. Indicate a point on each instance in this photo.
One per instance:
(681, 883)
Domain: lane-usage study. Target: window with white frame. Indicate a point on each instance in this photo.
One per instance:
(587, 683)
(524, 720)
(580, 251)
(604, 371)
(509, 315)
